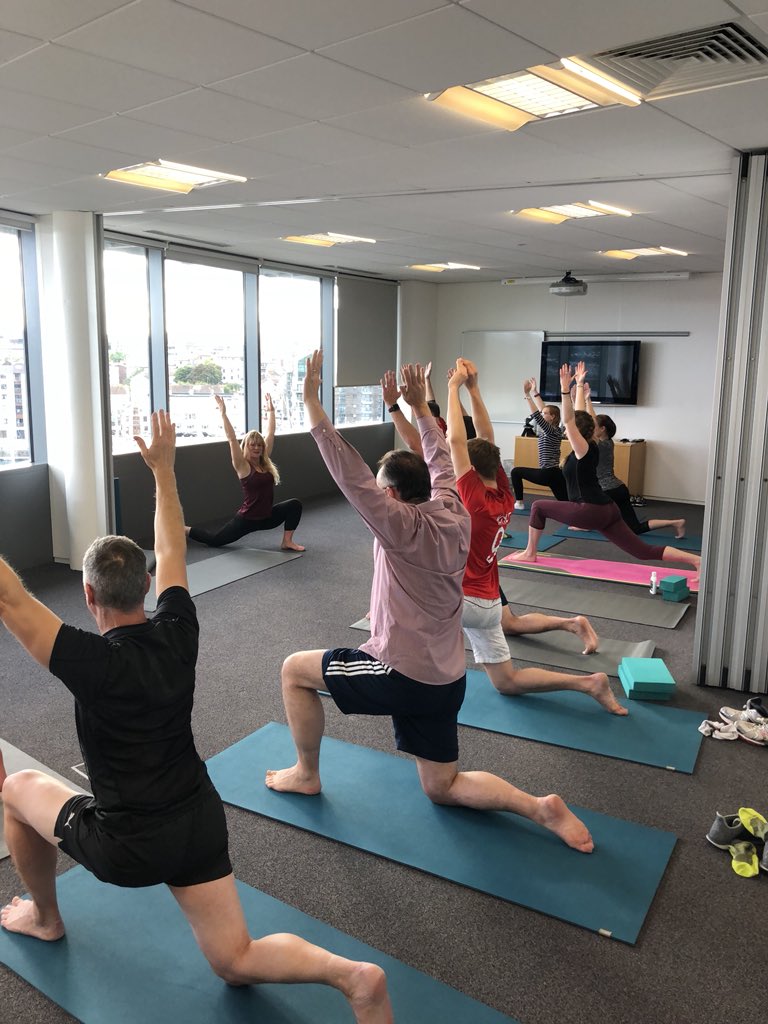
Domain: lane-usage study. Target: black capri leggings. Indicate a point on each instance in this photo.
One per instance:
(286, 514)
(621, 496)
(604, 518)
(552, 478)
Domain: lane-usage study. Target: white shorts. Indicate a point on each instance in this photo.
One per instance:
(481, 621)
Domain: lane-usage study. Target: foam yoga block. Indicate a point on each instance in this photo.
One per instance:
(646, 679)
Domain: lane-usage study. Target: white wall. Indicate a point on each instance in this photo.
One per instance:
(676, 374)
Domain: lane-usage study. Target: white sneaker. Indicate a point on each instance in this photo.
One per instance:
(519, 504)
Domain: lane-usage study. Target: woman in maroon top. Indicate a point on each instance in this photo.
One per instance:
(258, 477)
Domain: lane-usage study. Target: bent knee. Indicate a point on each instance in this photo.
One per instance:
(438, 792)
(19, 785)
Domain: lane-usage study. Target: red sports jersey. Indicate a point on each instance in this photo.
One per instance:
(490, 511)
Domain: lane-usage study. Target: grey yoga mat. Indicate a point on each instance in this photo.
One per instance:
(229, 566)
(15, 761)
(373, 801)
(563, 650)
(564, 597)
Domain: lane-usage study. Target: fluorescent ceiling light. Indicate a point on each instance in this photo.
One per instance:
(171, 177)
(630, 254)
(534, 213)
(575, 210)
(570, 64)
(606, 208)
(532, 94)
(438, 268)
(327, 238)
(463, 100)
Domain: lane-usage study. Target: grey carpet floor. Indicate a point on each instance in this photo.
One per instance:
(706, 924)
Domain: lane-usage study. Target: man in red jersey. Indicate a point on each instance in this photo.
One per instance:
(484, 489)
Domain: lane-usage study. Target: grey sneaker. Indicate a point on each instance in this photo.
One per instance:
(746, 714)
(726, 830)
(764, 859)
(753, 732)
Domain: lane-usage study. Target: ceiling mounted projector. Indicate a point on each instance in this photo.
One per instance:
(569, 285)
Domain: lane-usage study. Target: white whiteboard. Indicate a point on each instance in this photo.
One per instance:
(504, 359)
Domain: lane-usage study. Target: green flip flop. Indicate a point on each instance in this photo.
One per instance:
(744, 859)
(754, 822)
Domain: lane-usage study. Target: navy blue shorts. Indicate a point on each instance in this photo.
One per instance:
(423, 715)
(133, 851)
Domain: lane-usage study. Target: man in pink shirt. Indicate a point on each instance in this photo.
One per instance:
(413, 667)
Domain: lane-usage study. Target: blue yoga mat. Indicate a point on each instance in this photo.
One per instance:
(373, 801)
(660, 736)
(519, 539)
(691, 543)
(130, 956)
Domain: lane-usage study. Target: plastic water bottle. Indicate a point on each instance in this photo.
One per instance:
(654, 582)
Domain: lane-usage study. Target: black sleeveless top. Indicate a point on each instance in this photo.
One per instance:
(581, 478)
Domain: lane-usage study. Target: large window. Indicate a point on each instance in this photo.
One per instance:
(355, 406)
(204, 311)
(289, 329)
(15, 426)
(127, 314)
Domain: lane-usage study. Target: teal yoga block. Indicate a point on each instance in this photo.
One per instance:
(675, 595)
(632, 691)
(673, 584)
(647, 673)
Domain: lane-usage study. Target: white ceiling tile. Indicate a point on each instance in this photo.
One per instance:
(753, 6)
(312, 25)
(322, 144)
(141, 139)
(641, 140)
(179, 41)
(41, 114)
(49, 18)
(59, 152)
(13, 45)
(448, 47)
(416, 122)
(312, 86)
(10, 137)
(715, 188)
(92, 193)
(225, 118)
(80, 78)
(566, 28)
(736, 115)
(32, 173)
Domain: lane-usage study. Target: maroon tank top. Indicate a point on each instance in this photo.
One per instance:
(258, 495)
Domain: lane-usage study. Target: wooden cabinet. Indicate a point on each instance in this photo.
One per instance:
(628, 462)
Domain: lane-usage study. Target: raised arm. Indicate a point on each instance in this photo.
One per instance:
(580, 376)
(33, 625)
(531, 395)
(269, 436)
(457, 431)
(239, 461)
(407, 431)
(170, 540)
(579, 445)
(480, 415)
(428, 382)
(450, 373)
(588, 401)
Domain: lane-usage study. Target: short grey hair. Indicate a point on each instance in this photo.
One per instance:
(116, 569)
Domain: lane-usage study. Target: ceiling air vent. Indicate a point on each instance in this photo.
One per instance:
(686, 62)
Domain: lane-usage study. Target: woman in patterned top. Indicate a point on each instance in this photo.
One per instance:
(546, 419)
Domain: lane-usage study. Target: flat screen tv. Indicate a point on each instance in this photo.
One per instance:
(612, 369)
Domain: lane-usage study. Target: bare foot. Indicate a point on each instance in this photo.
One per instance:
(579, 529)
(599, 688)
(554, 815)
(293, 780)
(21, 916)
(582, 627)
(523, 556)
(367, 995)
(291, 546)
(679, 525)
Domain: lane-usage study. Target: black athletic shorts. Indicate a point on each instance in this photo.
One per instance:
(503, 597)
(132, 851)
(423, 715)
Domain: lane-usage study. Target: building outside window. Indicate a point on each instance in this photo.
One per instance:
(205, 326)
(126, 291)
(289, 329)
(355, 406)
(15, 448)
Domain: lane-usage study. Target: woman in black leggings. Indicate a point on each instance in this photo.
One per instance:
(550, 434)
(589, 507)
(258, 478)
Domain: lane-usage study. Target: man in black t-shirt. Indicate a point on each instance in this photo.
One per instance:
(154, 816)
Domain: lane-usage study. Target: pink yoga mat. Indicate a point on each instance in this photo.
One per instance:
(636, 573)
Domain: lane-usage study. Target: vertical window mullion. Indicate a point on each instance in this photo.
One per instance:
(34, 358)
(252, 353)
(158, 356)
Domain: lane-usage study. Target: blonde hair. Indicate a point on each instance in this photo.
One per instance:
(264, 462)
